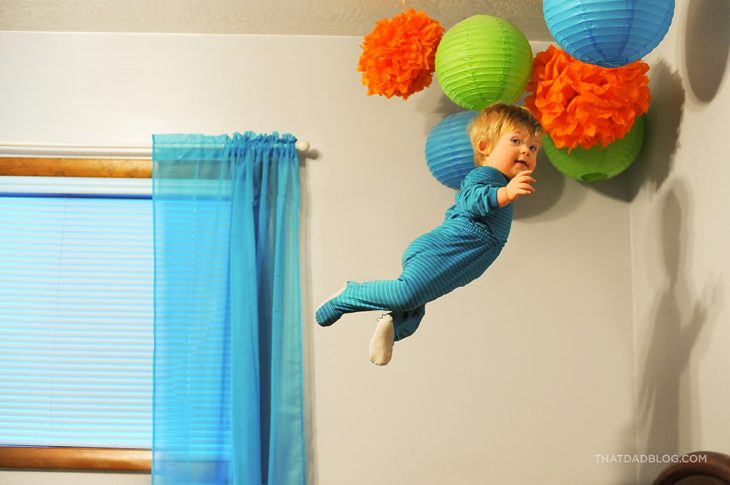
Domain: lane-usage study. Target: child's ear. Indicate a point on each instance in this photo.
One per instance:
(483, 147)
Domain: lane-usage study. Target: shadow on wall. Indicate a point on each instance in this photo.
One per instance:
(662, 131)
(706, 46)
(615, 187)
(679, 320)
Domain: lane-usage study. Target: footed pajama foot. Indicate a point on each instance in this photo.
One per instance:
(327, 313)
(381, 345)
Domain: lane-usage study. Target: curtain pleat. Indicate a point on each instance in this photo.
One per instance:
(228, 405)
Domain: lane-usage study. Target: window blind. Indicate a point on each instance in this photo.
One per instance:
(76, 321)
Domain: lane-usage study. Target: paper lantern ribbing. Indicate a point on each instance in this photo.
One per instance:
(483, 60)
(449, 154)
(609, 33)
(597, 163)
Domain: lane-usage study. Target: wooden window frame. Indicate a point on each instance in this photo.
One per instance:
(69, 458)
(75, 167)
(72, 458)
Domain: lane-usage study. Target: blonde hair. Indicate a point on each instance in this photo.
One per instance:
(496, 120)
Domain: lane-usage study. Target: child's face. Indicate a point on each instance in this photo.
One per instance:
(513, 153)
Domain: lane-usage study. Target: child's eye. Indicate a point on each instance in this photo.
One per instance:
(515, 140)
(533, 148)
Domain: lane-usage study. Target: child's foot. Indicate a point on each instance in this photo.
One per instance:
(325, 315)
(381, 345)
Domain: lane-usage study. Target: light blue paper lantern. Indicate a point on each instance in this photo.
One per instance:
(449, 154)
(609, 33)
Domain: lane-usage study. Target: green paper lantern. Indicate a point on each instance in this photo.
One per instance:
(598, 163)
(483, 60)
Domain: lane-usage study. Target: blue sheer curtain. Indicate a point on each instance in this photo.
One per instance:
(228, 405)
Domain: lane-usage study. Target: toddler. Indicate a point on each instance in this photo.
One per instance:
(506, 140)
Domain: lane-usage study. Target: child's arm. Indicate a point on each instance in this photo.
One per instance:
(478, 198)
(520, 185)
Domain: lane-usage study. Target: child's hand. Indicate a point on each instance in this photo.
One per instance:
(521, 184)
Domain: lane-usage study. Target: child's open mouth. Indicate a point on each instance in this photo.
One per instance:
(520, 162)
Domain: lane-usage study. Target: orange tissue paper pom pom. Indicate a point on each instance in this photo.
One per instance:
(581, 104)
(398, 55)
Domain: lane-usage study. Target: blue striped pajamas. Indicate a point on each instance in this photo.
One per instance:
(436, 263)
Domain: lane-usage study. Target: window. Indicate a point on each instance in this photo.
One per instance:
(76, 291)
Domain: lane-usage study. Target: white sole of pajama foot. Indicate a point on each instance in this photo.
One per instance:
(381, 345)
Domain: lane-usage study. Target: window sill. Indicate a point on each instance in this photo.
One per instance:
(63, 458)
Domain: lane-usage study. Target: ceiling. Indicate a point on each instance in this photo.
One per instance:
(285, 17)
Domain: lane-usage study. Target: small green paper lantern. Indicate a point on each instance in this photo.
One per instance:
(483, 60)
(597, 163)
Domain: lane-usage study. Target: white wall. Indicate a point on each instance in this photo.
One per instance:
(521, 377)
(680, 239)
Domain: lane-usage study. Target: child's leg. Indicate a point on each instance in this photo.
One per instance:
(396, 295)
(433, 265)
(409, 291)
(406, 323)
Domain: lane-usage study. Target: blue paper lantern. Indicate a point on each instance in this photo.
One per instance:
(449, 154)
(609, 33)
